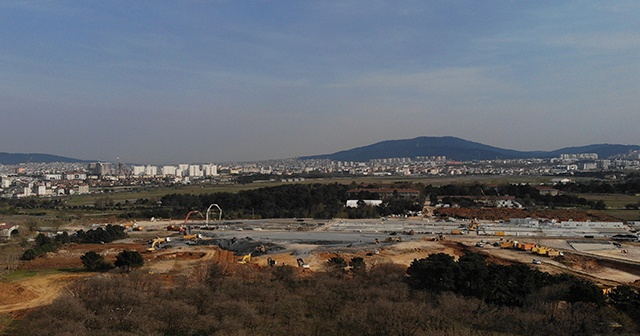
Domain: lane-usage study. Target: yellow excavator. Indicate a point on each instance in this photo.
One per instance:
(245, 259)
(156, 242)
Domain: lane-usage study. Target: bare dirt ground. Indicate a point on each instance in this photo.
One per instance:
(32, 292)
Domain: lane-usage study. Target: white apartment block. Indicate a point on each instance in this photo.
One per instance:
(194, 171)
(6, 182)
(183, 169)
(150, 170)
(138, 170)
(210, 169)
(169, 170)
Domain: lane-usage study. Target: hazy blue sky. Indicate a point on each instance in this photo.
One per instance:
(198, 81)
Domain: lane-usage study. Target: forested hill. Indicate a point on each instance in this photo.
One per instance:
(461, 150)
(17, 158)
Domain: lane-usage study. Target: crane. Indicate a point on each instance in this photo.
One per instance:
(186, 229)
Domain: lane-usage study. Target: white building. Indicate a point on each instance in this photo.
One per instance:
(354, 203)
(53, 177)
(75, 176)
(150, 170)
(81, 189)
(41, 190)
(591, 225)
(183, 169)
(210, 169)
(138, 170)
(194, 171)
(6, 182)
(169, 170)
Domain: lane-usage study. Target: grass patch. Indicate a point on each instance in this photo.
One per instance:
(18, 275)
(613, 201)
(25, 274)
(73, 270)
(627, 215)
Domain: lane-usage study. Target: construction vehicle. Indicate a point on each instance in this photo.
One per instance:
(507, 244)
(156, 243)
(173, 227)
(541, 250)
(302, 264)
(525, 246)
(185, 229)
(245, 259)
(193, 236)
(473, 224)
(553, 253)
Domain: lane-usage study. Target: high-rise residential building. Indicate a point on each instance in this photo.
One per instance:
(150, 170)
(210, 169)
(183, 169)
(138, 170)
(169, 170)
(194, 171)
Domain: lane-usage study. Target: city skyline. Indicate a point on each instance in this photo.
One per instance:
(161, 82)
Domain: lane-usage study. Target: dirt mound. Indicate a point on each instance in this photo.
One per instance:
(506, 214)
(182, 255)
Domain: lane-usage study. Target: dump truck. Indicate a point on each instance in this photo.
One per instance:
(506, 245)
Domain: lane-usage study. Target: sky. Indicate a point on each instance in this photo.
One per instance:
(164, 81)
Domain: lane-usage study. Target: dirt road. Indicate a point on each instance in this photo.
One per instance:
(33, 292)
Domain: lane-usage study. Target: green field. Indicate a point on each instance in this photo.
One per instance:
(613, 201)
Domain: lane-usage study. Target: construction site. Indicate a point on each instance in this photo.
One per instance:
(177, 247)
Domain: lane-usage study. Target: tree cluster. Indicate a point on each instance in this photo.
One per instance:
(508, 285)
(223, 299)
(125, 260)
(100, 235)
(44, 244)
(630, 186)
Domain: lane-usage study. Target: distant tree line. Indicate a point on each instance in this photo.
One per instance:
(285, 201)
(630, 186)
(328, 201)
(525, 194)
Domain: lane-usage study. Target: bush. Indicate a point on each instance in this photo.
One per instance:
(94, 262)
(128, 259)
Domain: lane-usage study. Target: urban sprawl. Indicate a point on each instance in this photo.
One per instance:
(58, 179)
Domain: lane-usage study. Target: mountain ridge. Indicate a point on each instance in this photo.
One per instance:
(17, 158)
(460, 150)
